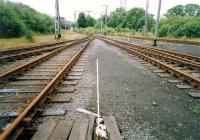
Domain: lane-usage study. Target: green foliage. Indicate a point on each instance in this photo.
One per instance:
(180, 26)
(132, 19)
(11, 25)
(187, 10)
(90, 21)
(82, 21)
(117, 18)
(16, 19)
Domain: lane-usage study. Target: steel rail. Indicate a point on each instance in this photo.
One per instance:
(165, 40)
(40, 59)
(172, 58)
(46, 90)
(33, 47)
(183, 75)
(186, 56)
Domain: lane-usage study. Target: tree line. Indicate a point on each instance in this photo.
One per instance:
(17, 20)
(179, 21)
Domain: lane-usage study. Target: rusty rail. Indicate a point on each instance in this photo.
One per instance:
(38, 60)
(47, 89)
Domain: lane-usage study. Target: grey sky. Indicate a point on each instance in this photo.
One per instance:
(67, 7)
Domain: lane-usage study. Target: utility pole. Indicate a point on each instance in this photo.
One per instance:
(146, 15)
(157, 24)
(74, 21)
(123, 4)
(101, 23)
(57, 21)
(106, 19)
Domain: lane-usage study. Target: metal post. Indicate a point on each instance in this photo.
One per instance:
(101, 23)
(157, 24)
(57, 21)
(106, 19)
(75, 21)
(146, 15)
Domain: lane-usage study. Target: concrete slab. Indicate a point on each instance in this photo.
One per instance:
(8, 114)
(78, 67)
(196, 75)
(13, 100)
(194, 95)
(153, 68)
(71, 78)
(34, 77)
(69, 83)
(77, 70)
(143, 62)
(164, 75)
(139, 60)
(27, 83)
(39, 74)
(60, 99)
(70, 89)
(19, 90)
(184, 86)
(54, 112)
(80, 64)
(175, 81)
(75, 74)
(158, 71)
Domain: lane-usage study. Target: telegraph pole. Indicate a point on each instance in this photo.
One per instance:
(106, 18)
(57, 21)
(74, 21)
(146, 15)
(157, 24)
(101, 23)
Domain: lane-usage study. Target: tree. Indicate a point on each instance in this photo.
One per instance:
(10, 24)
(187, 10)
(192, 10)
(82, 21)
(117, 18)
(176, 11)
(90, 21)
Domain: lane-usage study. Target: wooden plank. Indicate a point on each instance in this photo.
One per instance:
(112, 128)
(62, 130)
(91, 127)
(79, 130)
(45, 130)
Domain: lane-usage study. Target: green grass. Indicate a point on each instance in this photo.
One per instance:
(196, 110)
(37, 39)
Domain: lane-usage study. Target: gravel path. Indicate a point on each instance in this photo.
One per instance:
(144, 105)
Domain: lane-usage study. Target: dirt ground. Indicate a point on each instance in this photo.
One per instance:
(145, 106)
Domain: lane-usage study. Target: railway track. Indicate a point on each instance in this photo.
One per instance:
(32, 83)
(184, 66)
(13, 58)
(167, 40)
(23, 64)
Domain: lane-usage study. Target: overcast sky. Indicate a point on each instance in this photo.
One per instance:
(67, 7)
